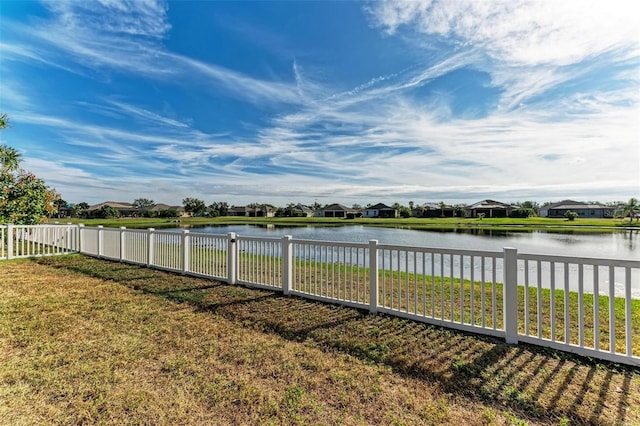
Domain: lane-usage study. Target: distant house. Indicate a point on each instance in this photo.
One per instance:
(157, 208)
(238, 211)
(584, 210)
(298, 210)
(490, 208)
(262, 211)
(433, 210)
(380, 210)
(335, 210)
(125, 209)
(129, 210)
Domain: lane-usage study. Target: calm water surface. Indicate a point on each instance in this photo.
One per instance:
(617, 245)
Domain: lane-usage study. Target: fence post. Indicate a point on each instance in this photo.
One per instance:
(287, 264)
(68, 242)
(232, 257)
(2, 241)
(122, 243)
(510, 294)
(185, 258)
(373, 276)
(10, 241)
(150, 253)
(100, 235)
(80, 228)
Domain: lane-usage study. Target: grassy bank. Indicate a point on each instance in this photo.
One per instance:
(85, 340)
(442, 298)
(512, 224)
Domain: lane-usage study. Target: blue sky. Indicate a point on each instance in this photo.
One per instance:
(350, 102)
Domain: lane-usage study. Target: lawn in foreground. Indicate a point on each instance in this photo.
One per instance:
(85, 340)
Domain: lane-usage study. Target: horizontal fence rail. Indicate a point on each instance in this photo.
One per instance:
(582, 305)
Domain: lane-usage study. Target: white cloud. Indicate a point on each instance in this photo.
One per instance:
(146, 18)
(521, 32)
(132, 110)
(368, 144)
(236, 83)
(127, 36)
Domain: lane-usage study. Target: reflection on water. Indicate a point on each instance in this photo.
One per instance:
(617, 245)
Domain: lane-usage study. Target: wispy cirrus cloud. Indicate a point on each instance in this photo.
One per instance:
(146, 18)
(145, 114)
(127, 37)
(236, 83)
(564, 123)
(531, 46)
(521, 32)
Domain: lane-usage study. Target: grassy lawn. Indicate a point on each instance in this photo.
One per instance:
(515, 224)
(89, 341)
(440, 297)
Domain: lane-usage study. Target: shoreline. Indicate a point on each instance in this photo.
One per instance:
(443, 224)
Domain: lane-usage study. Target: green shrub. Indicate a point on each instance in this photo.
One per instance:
(523, 212)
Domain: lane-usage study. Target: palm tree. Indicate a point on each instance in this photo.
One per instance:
(9, 158)
(632, 208)
(290, 210)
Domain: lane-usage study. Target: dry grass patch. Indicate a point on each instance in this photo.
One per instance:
(91, 341)
(79, 349)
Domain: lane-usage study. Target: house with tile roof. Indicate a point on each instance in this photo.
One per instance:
(490, 208)
(336, 210)
(125, 209)
(584, 210)
(380, 210)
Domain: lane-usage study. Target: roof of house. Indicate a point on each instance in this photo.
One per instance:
(489, 204)
(114, 204)
(337, 207)
(300, 207)
(380, 206)
(576, 205)
(434, 206)
(161, 206)
(244, 209)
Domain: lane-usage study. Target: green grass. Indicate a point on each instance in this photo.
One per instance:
(438, 297)
(511, 224)
(220, 350)
(80, 345)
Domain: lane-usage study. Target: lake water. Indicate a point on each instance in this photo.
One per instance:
(616, 245)
(623, 245)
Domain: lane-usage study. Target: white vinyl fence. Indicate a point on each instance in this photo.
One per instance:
(37, 240)
(583, 305)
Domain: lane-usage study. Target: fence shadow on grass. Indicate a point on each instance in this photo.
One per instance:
(538, 383)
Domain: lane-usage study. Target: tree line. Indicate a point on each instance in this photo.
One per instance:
(197, 207)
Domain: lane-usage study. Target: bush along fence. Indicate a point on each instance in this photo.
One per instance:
(586, 306)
